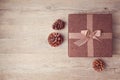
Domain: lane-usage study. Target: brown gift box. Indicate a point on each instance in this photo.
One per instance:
(93, 47)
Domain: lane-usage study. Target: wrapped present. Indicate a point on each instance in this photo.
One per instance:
(90, 35)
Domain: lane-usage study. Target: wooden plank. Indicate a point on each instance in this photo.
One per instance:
(25, 53)
(26, 66)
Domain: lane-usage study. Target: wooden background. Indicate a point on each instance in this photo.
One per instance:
(24, 50)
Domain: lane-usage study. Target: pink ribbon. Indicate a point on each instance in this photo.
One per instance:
(87, 36)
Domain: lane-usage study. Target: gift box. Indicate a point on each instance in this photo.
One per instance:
(90, 35)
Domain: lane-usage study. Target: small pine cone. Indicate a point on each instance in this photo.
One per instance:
(98, 65)
(55, 39)
(59, 24)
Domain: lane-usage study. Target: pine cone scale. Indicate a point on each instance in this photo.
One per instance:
(98, 65)
(55, 39)
(59, 24)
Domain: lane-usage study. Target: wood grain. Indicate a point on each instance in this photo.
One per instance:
(24, 50)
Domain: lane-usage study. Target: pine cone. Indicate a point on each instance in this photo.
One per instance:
(55, 39)
(98, 65)
(59, 24)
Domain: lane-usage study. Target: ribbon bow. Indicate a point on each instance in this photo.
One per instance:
(86, 35)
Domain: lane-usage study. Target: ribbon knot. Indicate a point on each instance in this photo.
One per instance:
(86, 35)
